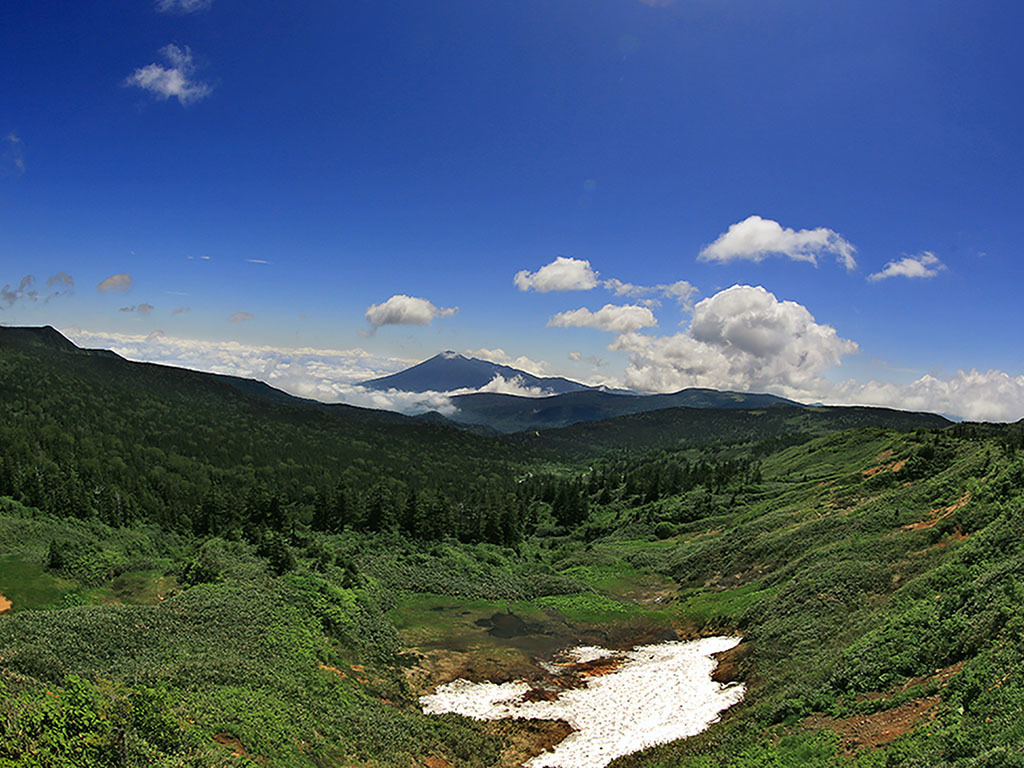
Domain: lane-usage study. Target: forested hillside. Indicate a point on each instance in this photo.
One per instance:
(201, 573)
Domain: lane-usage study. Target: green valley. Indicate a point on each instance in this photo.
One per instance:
(207, 572)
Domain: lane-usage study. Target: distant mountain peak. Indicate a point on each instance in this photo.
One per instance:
(448, 371)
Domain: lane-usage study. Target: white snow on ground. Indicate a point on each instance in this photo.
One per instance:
(661, 693)
(581, 654)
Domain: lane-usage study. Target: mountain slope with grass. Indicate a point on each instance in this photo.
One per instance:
(198, 575)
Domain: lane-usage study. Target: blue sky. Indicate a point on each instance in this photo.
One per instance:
(299, 164)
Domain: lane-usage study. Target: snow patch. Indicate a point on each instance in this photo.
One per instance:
(661, 693)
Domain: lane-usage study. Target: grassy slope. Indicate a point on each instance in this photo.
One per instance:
(852, 591)
(852, 583)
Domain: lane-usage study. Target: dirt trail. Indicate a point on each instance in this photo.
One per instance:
(5, 604)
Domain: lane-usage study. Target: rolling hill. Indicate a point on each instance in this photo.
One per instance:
(513, 413)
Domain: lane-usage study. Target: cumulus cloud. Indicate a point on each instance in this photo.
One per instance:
(12, 159)
(562, 274)
(182, 6)
(122, 281)
(681, 291)
(175, 80)
(616, 319)
(974, 395)
(405, 310)
(241, 317)
(755, 239)
(925, 264)
(740, 338)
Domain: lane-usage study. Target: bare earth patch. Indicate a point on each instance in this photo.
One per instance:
(5, 604)
(879, 729)
(938, 515)
(895, 466)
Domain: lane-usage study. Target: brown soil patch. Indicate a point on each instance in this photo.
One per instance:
(232, 743)
(728, 669)
(879, 729)
(526, 738)
(936, 516)
(5, 604)
(436, 762)
(895, 466)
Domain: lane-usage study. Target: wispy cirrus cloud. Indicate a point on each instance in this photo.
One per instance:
(241, 317)
(182, 7)
(755, 239)
(12, 157)
(25, 290)
(142, 309)
(925, 264)
(176, 80)
(681, 291)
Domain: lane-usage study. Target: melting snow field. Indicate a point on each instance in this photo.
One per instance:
(659, 693)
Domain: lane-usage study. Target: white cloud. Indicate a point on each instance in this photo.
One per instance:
(175, 80)
(305, 371)
(681, 291)
(513, 386)
(405, 310)
(122, 281)
(740, 338)
(182, 6)
(575, 356)
(755, 239)
(975, 395)
(257, 261)
(562, 274)
(616, 319)
(181, 310)
(241, 317)
(925, 264)
(501, 357)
